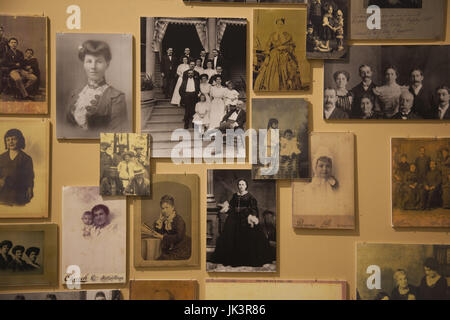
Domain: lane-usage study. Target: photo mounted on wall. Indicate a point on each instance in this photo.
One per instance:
(241, 222)
(24, 168)
(290, 117)
(163, 290)
(402, 271)
(327, 30)
(23, 65)
(169, 223)
(65, 295)
(389, 82)
(94, 84)
(328, 201)
(420, 182)
(194, 73)
(124, 164)
(279, 57)
(400, 19)
(28, 254)
(94, 236)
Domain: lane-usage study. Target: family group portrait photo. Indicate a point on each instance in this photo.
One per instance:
(23, 65)
(389, 83)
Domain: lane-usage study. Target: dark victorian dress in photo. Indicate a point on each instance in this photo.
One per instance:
(240, 244)
(175, 244)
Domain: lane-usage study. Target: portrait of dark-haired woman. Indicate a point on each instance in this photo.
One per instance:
(433, 285)
(97, 105)
(16, 171)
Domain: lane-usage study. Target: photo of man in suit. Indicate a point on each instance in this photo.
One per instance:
(204, 58)
(331, 112)
(189, 90)
(406, 107)
(191, 68)
(442, 111)
(365, 87)
(169, 67)
(217, 59)
(235, 118)
(422, 97)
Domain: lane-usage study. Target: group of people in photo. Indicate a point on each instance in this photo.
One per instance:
(391, 100)
(19, 71)
(14, 257)
(202, 86)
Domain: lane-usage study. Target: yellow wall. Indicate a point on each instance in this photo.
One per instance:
(303, 254)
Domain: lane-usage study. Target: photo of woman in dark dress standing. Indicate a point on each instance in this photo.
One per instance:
(242, 242)
(16, 171)
(433, 285)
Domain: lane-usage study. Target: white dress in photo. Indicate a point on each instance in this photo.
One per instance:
(209, 72)
(201, 116)
(231, 97)
(176, 98)
(205, 88)
(217, 106)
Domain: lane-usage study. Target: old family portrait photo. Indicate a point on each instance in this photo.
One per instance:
(420, 182)
(124, 164)
(389, 82)
(93, 84)
(241, 223)
(23, 64)
(408, 271)
(193, 74)
(279, 57)
(21, 251)
(24, 168)
(291, 150)
(93, 235)
(66, 295)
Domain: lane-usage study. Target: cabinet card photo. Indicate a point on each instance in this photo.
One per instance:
(389, 83)
(94, 84)
(327, 29)
(288, 117)
(168, 223)
(387, 271)
(279, 51)
(28, 255)
(163, 290)
(124, 164)
(420, 182)
(94, 236)
(400, 19)
(242, 289)
(24, 168)
(328, 201)
(65, 295)
(23, 65)
(241, 222)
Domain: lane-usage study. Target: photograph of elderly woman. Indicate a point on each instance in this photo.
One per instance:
(407, 271)
(241, 223)
(389, 82)
(420, 182)
(23, 65)
(94, 235)
(124, 164)
(279, 62)
(21, 252)
(66, 295)
(328, 201)
(24, 161)
(94, 84)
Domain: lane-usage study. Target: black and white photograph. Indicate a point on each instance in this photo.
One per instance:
(241, 222)
(291, 151)
(390, 83)
(94, 84)
(327, 29)
(193, 75)
(402, 4)
(23, 65)
(124, 164)
(405, 271)
(65, 295)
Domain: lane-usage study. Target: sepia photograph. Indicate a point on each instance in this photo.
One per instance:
(398, 20)
(28, 254)
(290, 118)
(124, 164)
(193, 76)
(94, 84)
(23, 65)
(24, 168)
(390, 83)
(241, 222)
(279, 57)
(169, 223)
(327, 29)
(420, 182)
(65, 295)
(163, 290)
(94, 236)
(402, 271)
(328, 201)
